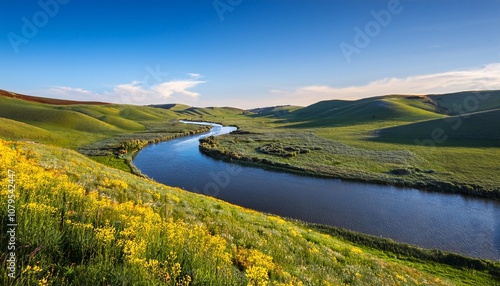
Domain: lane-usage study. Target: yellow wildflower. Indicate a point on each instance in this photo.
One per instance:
(105, 234)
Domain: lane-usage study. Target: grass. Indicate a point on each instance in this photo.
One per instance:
(387, 108)
(450, 131)
(96, 121)
(82, 223)
(438, 263)
(466, 102)
(15, 130)
(113, 162)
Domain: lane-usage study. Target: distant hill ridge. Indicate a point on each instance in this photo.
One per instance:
(47, 100)
(448, 103)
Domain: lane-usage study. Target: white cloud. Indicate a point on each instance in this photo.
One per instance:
(167, 89)
(64, 92)
(136, 92)
(278, 91)
(195, 75)
(487, 77)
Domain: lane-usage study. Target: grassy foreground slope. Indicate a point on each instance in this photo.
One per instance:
(82, 223)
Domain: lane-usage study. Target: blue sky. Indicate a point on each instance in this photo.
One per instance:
(246, 53)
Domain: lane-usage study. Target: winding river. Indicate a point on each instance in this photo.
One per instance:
(456, 223)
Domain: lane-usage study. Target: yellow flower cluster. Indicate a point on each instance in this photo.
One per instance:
(277, 219)
(40, 208)
(356, 250)
(257, 265)
(294, 233)
(108, 183)
(79, 225)
(105, 234)
(32, 269)
(134, 250)
(257, 276)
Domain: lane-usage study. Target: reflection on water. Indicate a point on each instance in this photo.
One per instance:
(433, 220)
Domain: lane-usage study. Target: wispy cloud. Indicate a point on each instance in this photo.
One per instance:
(486, 77)
(63, 92)
(453, 26)
(136, 92)
(179, 87)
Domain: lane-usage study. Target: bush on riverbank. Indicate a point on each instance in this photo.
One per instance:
(281, 150)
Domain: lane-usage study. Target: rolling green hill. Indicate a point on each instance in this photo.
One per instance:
(78, 123)
(187, 112)
(9, 94)
(477, 129)
(384, 108)
(466, 102)
(275, 111)
(15, 130)
(171, 106)
(211, 111)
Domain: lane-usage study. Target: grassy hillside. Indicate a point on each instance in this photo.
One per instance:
(171, 106)
(386, 108)
(109, 133)
(76, 125)
(199, 112)
(476, 129)
(82, 223)
(9, 94)
(275, 111)
(15, 130)
(466, 102)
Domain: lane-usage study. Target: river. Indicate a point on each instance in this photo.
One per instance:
(450, 222)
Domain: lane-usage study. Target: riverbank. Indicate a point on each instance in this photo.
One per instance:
(119, 151)
(414, 256)
(277, 160)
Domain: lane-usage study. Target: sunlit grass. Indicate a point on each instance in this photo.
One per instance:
(82, 223)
